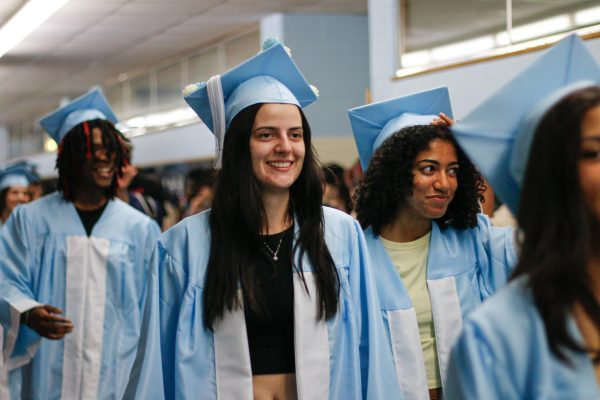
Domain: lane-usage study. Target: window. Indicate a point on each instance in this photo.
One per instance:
(140, 93)
(169, 86)
(204, 65)
(434, 33)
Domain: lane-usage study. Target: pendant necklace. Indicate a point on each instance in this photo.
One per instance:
(274, 253)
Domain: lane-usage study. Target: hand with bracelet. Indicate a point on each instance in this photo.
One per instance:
(46, 322)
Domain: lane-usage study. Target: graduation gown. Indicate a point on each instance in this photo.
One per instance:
(98, 281)
(503, 353)
(344, 358)
(463, 268)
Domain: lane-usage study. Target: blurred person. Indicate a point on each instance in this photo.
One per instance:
(73, 268)
(36, 188)
(435, 257)
(335, 193)
(14, 190)
(539, 338)
(268, 294)
(135, 196)
(199, 190)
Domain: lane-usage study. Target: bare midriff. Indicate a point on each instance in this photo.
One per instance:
(274, 387)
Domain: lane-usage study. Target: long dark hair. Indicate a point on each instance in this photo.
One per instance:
(556, 223)
(3, 194)
(77, 146)
(237, 217)
(388, 180)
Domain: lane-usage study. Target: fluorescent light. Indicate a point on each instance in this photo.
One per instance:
(415, 58)
(588, 16)
(462, 49)
(156, 121)
(25, 21)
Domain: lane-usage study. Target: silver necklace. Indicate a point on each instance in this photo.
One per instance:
(274, 253)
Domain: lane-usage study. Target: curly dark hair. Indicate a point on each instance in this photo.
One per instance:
(77, 146)
(388, 181)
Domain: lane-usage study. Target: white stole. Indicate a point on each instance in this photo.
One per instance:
(447, 318)
(408, 354)
(85, 299)
(232, 357)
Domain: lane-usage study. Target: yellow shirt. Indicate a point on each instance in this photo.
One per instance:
(410, 260)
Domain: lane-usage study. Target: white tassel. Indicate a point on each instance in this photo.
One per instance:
(217, 110)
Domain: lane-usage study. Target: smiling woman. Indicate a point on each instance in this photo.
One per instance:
(277, 146)
(14, 190)
(267, 295)
(435, 257)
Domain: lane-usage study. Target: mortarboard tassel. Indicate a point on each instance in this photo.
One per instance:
(217, 109)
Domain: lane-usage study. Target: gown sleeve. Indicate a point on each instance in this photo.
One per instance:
(152, 375)
(377, 366)
(16, 291)
(474, 372)
(496, 255)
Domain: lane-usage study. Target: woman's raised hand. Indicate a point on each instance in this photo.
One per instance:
(442, 120)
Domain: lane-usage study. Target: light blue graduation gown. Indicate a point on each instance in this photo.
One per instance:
(463, 268)
(346, 357)
(99, 283)
(503, 354)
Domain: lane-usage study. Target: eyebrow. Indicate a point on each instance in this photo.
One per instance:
(276, 128)
(427, 160)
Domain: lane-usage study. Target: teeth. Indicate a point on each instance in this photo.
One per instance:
(103, 170)
(280, 164)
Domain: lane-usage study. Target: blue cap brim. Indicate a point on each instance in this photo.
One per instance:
(369, 121)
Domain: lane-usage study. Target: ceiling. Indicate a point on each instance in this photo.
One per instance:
(89, 42)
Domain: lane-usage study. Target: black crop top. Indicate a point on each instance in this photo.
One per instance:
(271, 337)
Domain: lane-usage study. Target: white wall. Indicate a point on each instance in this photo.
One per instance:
(332, 52)
(468, 85)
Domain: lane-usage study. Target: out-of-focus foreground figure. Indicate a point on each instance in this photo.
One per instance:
(539, 338)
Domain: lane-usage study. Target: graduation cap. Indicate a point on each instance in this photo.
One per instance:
(17, 175)
(373, 123)
(29, 168)
(497, 135)
(271, 76)
(90, 106)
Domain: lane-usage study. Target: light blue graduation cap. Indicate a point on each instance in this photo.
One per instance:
(373, 123)
(497, 135)
(17, 175)
(90, 106)
(271, 76)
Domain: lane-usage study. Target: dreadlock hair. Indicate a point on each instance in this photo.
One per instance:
(388, 180)
(77, 146)
(236, 219)
(559, 235)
